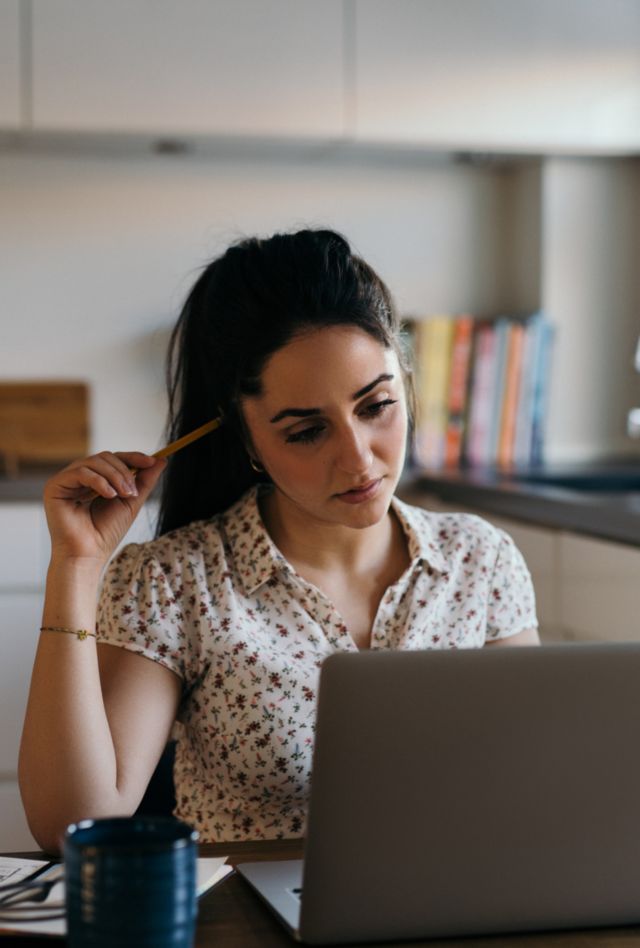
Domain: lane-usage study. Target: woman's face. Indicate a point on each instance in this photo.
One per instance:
(330, 426)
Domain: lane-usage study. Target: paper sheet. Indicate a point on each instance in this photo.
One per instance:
(210, 871)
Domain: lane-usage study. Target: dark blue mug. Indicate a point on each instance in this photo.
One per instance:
(131, 881)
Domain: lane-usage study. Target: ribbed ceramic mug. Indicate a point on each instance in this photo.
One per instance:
(130, 881)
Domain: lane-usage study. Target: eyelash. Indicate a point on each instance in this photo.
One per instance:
(309, 435)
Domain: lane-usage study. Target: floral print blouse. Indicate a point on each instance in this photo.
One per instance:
(217, 603)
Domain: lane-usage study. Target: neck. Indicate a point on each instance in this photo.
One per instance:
(322, 546)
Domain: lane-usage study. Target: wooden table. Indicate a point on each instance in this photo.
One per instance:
(232, 915)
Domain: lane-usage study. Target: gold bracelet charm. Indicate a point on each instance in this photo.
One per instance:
(79, 633)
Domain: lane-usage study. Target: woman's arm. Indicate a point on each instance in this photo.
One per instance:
(97, 716)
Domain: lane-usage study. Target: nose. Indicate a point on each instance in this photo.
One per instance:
(354, 454)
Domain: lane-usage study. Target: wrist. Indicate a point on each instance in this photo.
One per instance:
(71, 593)
(71, 568)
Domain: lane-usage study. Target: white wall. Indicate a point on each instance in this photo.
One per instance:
(97, 252)
(99, 247)
(590, 284)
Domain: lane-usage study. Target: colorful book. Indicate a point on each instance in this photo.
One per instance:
(434, 337)
(541, 394)
(531, 354)
(502, 331)
(482, 391)
(477, 444)
(511, 394)
(461, 347)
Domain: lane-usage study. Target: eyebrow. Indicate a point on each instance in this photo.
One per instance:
(306, 412)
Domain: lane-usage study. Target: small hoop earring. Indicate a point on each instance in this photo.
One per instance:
(255, 466)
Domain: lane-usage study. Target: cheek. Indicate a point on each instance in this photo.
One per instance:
(393, 438)
(293, 467)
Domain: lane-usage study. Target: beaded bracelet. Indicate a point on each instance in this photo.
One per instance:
(79, 633)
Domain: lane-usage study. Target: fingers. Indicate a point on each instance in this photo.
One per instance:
(146, 478)
(106, 474)
(135, 459)
(112, 472)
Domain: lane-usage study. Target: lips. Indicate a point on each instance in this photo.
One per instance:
(363, 492)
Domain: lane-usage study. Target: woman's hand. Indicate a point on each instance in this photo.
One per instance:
(92, 502)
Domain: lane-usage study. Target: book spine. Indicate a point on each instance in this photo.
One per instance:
(434, 357)
(513, 369)
(502, 329)
(541, 393)
(530, 356)
(458, 389)
(481, 398)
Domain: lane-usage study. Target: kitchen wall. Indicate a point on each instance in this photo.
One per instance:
(99, 245)
(98, 250)
(590, 285)
(101, 238)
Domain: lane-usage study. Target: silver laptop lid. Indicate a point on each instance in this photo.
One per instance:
(474, 791)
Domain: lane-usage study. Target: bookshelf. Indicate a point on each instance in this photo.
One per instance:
(569, 229)
(482, 391)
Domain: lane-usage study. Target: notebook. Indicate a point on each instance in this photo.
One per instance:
(468, 792)
(209, 872)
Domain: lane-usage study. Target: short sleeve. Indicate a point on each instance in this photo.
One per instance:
(139, 611)
(512, 606)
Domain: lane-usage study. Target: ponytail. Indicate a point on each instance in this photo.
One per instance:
(244, 306)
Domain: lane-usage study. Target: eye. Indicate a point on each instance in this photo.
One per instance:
(378, 408)
(306, 436)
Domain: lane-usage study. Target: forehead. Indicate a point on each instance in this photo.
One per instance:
(325, 363)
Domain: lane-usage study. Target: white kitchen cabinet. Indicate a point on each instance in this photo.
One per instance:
(20, 620)
(600, 590)
(194, 66)
(24, 546)
(24, 555)
(20, 615)
(10, 85)
(524, 76)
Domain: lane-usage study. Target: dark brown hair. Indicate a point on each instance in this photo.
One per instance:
(246, 305)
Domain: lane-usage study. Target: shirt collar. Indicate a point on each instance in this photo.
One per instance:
(255, 556)
(257, 559)
(421, 533)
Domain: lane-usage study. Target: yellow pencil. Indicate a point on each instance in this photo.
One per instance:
(188, 438)
(174, 446)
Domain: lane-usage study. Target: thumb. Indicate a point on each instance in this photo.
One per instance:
(147, 478)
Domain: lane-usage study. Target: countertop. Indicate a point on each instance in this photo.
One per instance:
(608, 514)
(27, 487)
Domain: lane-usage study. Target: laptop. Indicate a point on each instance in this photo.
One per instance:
(468, 792)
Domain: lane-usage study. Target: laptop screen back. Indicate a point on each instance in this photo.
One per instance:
(474, 791)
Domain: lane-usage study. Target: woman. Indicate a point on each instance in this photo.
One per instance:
(280, 542)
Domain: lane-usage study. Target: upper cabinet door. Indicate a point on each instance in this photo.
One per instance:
(10, 64)
(262, 67)
(499, 74)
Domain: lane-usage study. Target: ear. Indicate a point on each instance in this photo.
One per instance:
(245, 436)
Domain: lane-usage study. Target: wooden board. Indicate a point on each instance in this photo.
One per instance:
(42, 423)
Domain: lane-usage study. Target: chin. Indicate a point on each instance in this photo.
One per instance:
(366, 515)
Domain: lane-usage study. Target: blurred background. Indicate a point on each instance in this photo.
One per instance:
(482, 155)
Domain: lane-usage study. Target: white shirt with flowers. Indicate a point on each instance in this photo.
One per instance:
(217, 603)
